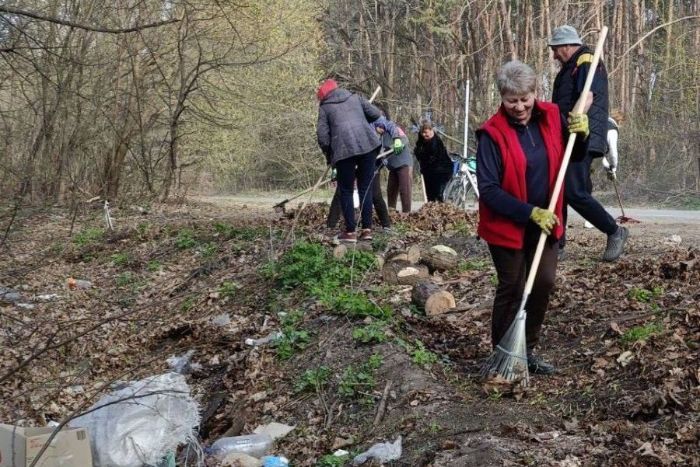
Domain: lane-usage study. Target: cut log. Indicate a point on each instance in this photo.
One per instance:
(403, 272)
(429, 297)
(440, 258)
(413, 254)
(340, 251)
(396, 255)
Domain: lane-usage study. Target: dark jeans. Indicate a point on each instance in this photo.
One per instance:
(577, 194)
(377, 202)
(400, 181)
(512, 267)
(362, 167)
(435, 184)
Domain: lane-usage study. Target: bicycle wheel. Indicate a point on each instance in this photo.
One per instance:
(454, 192)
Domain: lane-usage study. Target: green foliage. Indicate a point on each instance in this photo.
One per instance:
(120, 259)
(472, 265)
(188, 303)
(125, 278)
(88, 236)
(239, 233)
(208, 250)
(153, 265)
(422, 356)
(640, 333)
(331, 460)
(228, 289)
(291, 342)
(373, 333)
(645, 295)
(462, 228)
(313, 379)
(360, 379)
(185, 239)
(494, 280)
(356, 304)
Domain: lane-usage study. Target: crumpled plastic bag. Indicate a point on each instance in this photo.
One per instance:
(383, 452)
(142, 422)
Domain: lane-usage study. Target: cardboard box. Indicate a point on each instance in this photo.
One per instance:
(69, 448)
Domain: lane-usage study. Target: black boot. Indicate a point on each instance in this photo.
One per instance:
(616, 244)
(537, 366)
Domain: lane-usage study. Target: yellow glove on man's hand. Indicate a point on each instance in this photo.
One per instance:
(545, 219)
(578, 123)
(398, 146)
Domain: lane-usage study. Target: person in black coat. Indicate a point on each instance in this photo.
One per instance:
(435, 165)
(351, 146)
(575, 59)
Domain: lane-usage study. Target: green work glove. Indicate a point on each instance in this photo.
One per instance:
(578, 123)
(398, 146)
(545, 219)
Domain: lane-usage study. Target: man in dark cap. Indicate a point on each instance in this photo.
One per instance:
(575, 59)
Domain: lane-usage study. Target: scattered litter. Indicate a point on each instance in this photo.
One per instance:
(263, 340)
(73, 284)
(183, 364)
(47, 297)
(25, 306)
(341, 453)
(383, 452)
(625, 358)
(256, 445)
(142, 422)
(9, 295)
(238, 459)
(673, 240)
(275, 461)
(274, 429)
(221, 320)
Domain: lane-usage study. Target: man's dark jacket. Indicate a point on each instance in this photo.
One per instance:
(567, 89)
(343, 130)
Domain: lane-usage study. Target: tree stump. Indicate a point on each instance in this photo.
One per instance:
(403, 273)
(413, 254)
(431, 298)
(440, 258)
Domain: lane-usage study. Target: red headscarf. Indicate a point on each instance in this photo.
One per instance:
(326, 87)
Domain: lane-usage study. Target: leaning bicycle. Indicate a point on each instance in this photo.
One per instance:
(460, 190)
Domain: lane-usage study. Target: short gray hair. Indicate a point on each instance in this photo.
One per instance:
(515, 77)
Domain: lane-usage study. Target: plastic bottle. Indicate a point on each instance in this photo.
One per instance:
(275, 461)
(263, 340)
(256, 445)
(78, 283)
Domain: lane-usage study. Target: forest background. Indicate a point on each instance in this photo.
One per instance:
(148, 99)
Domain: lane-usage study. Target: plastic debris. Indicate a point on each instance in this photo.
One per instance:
(256, 445)
(263, 340)
(183, 364)
(274, 429)
(73, 284)
(383, 452)
(25, 306)
(238, 459)
(275, 461)
(142, 422)
(221, 320)
(9, 295)
(47, 297)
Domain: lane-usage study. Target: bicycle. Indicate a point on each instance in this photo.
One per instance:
(461, 190)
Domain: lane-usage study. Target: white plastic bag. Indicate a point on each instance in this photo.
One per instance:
(383, 452)
(142, 422)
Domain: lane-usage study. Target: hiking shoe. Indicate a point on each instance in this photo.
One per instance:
(365, 235)
(346, 237)
(537, 366)
(616, 244)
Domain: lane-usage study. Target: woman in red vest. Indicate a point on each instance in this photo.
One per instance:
(520, 151)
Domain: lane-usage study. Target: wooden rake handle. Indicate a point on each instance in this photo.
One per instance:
(567, 155)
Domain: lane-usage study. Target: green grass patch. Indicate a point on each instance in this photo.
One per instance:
(359, 380)
(645, 295)
(153, 265)
(120, 259)
(313, 380)
(422, 356)
(331, 460)
(641, 333)
(248, 234)
(472, 265)
(228, 289)
(185, 239)
(88, 236)
(125, 279)
(373, 333)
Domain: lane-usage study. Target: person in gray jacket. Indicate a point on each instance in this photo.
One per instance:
(351, 146)
(400, 164)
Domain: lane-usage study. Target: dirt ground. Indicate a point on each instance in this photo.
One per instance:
(625, 337)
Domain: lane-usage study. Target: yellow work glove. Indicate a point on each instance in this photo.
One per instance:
(398, 146)
(545, 219)
(578, 123)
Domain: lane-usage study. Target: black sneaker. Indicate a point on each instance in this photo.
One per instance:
(616, 244)
(537, 366)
